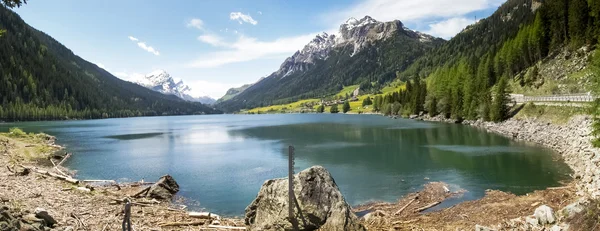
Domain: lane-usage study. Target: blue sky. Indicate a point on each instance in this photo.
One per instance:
(215, 45)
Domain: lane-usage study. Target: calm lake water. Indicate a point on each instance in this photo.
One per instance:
(221, 161)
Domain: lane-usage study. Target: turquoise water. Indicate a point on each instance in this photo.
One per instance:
(221, 161)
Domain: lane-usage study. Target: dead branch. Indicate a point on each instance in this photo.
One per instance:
(61, 177)
(428, 206)
(64, 159)
(404, 207)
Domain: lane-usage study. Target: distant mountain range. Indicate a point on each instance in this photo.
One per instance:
(162, 82)
(40, 79)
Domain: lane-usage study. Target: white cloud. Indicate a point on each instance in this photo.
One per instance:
(450, 27)
(213, 40)
(128, 76)
(148, 48)
(196, 23)
(144, 46)
(248, 48)
(410, 10)
(241, 18)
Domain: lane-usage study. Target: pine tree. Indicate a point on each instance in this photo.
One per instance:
(578, 19)
(499, 109)
(334, 109)
(321, 108)
(367, 101)
(346, 107)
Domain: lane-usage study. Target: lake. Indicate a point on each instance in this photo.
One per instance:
(221, 161)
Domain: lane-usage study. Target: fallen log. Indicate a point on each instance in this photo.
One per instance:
(193, 223)
(427, 206)
(204, 215)
(58, 176)
(141, 192)
(404, 207)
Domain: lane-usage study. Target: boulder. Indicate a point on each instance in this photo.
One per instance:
(544, 215)
(43, 214)
(572, 209)
(164, 189)
(322, 205)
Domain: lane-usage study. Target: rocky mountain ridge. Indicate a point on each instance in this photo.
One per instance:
(163, 82)
(355, 33)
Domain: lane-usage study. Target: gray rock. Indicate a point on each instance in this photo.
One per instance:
(321, 203)
(164, 189)
(532, 221)
(571, 209)
(43, 214)
(544, 215)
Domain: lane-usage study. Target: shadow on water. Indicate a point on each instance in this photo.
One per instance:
(486, 159)
(135, 136)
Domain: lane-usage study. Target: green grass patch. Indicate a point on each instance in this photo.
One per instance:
(304, 105)
(347, 90)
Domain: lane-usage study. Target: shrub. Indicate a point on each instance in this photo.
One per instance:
(16, 132)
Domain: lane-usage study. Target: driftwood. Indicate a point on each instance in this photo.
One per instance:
(145, 190)
(226, 227)
(58, 169)
(64, 159)
(204, 215)
(405, 206)
(193, 223)
(58, 176)
(428, 206)
(558, 188)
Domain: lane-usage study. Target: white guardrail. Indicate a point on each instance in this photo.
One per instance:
(584, 97)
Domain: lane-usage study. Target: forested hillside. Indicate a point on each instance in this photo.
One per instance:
(40, 79)
(468, 76)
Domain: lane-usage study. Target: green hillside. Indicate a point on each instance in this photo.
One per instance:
(40, 79)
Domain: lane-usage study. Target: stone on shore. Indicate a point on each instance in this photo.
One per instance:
(321, 203)
(544, 215)
(164, 189)
(43, 214)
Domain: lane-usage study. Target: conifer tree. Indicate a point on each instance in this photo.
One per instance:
(334, 109)
(346, 107)
(499, 109)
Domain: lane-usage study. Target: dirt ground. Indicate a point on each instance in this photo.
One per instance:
(95, 210)
(493, 209)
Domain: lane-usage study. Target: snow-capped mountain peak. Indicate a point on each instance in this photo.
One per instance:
(352, 23)
(355, 33)
(163, 82)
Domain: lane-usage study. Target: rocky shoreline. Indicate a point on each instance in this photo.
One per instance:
(571, 140)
